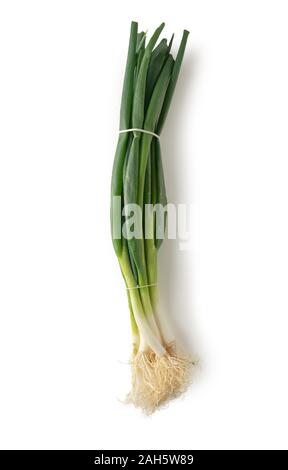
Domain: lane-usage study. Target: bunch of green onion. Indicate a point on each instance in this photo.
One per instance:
(159, 371)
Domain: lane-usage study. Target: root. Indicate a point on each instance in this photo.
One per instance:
(156, 380)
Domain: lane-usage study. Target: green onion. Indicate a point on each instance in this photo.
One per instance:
(159, 371)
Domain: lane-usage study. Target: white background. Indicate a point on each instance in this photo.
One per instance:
(64, 327)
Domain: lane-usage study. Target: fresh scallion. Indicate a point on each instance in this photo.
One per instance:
(159, 371)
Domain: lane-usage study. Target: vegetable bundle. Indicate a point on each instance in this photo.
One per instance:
(159, 371)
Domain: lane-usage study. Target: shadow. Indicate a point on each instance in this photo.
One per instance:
(176, 267)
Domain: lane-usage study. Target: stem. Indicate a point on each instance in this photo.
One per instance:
(134, 327)
(144, 326)
(142, 310)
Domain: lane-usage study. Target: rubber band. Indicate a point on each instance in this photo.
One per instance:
(141, 287)
(123, 131)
